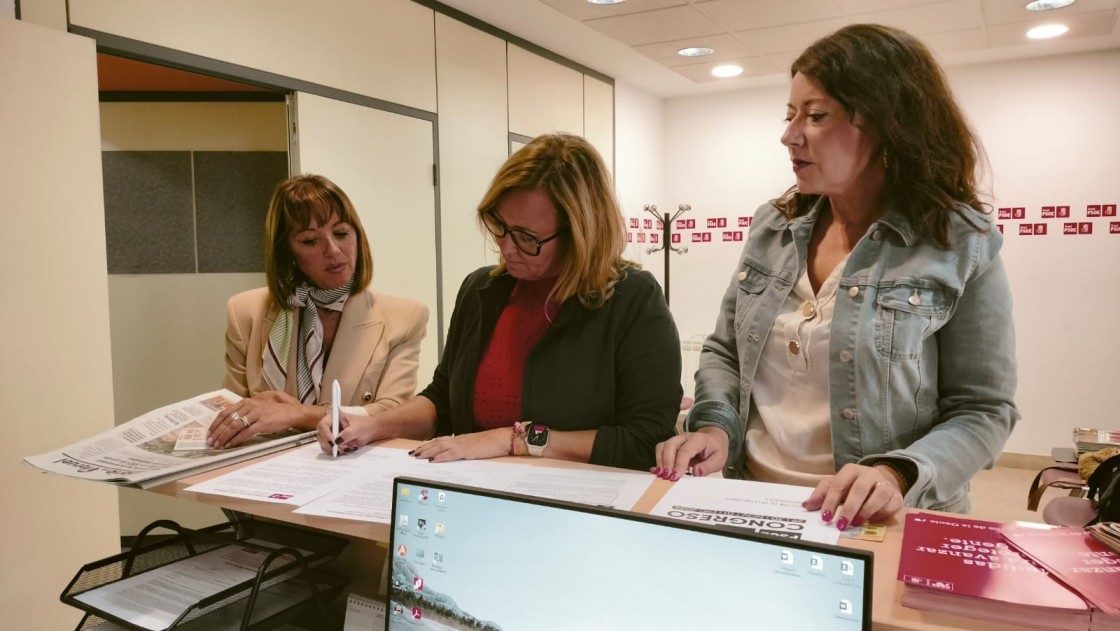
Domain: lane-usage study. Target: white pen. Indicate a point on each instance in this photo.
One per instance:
(336, 395)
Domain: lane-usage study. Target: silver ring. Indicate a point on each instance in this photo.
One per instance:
(245, 421)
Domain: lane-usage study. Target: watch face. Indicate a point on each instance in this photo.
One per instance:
(537, 436)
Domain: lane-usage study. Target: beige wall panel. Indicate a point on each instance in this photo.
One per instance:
(351, 45)
(598, 117)
(543, 95)
(50, 13)
(472, 143)
(194, 127)
(168, 345)
(384, 163)
(55, 364)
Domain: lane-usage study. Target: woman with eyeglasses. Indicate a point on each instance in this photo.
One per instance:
(564, 349)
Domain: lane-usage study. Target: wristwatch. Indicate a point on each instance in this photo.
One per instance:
(536, 439)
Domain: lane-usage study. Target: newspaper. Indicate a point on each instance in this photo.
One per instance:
(156, 448)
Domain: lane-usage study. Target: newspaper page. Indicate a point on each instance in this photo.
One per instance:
(160, 446)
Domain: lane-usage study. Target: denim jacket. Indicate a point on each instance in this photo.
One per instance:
(921, 355)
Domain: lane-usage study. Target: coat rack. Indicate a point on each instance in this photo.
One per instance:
(666, 240)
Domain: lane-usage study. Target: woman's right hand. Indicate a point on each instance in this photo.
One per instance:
(705, 451)
(353, 432)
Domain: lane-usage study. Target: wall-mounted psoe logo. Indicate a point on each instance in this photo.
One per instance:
(1063, 212)
(686, 224)
(1093, 210)
(1039, 228)
(675, 238)
(745, 222)
(647, 224)
(732, 235)
(701, 237)
(1085, 227)
(1114, 227)
(1047, 212)
(1026, 228)
(1069, 228)
(633, 222)
(1108, 210)
(717, 222)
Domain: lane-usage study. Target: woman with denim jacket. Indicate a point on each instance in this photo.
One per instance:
(865, 345)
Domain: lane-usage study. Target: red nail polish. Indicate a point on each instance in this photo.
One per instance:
(842, 524)
(826, 515)
(676, 476)
(656, 470)
(857, 522)
(697, 473)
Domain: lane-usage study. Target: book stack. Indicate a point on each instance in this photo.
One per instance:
(1079, 561)
(962, 566)
(1106, 532)
(1087, 439)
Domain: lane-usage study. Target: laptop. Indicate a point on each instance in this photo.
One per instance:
(469, 558)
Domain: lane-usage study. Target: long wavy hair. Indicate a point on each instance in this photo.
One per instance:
(295, 203)
(573, 175)
(891, 81)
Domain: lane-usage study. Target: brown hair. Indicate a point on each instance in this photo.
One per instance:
(295, 203)
(571, 172)
(891, 81)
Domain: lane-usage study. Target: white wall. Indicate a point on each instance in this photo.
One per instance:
(55, 364)
(1051, 136)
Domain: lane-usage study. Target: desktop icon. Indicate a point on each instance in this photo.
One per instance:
(421, 523)
(438, 557)
(397, 609)
(405, 491)
(403, 521)
(847, 568)
(787, 557)
(816, 563)
(415, 613)
(846, 607)
(419, 553)
(418, 583)
(439, 528)
(442, 497)
(402, 550)
(423, 495)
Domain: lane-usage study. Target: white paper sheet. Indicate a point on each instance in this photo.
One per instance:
(755, 506)
(295, 478)
(371, 500)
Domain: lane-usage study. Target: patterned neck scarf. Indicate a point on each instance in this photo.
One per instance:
(309, 348)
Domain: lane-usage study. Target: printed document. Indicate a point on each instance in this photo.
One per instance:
(760, 507)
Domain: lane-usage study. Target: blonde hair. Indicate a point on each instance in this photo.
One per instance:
(295, 203)
(574, 177)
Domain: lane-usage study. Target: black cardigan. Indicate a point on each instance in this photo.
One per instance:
(615, 369)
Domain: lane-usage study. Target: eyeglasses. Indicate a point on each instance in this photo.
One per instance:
(525, 241)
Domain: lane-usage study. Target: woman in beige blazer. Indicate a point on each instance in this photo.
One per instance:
(317, 321)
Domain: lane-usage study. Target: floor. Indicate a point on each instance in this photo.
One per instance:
(1000, 494)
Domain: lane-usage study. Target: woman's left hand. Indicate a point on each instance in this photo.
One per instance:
(474, 446)
(265, 413)
(856, 495)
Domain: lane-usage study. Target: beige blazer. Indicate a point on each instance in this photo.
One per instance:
(375, 354)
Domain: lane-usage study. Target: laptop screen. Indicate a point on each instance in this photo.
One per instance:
(466, 558)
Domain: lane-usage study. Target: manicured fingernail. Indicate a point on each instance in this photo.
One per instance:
(412, 453)
(431, 459)
(338, 441)
(826, 515)
(698, 473)
(842, 524)
(654, 470)
(676, 476)
(857, 522)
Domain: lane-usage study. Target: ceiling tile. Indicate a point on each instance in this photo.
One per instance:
(725, 46)
(938, 17)
(752, 67)
(742, 15)
(855, 7)
(584, 10)
(1081, 25)
(782, 61)
(1003, 12)
(952, 42)
(784, 39)
(651, 27)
